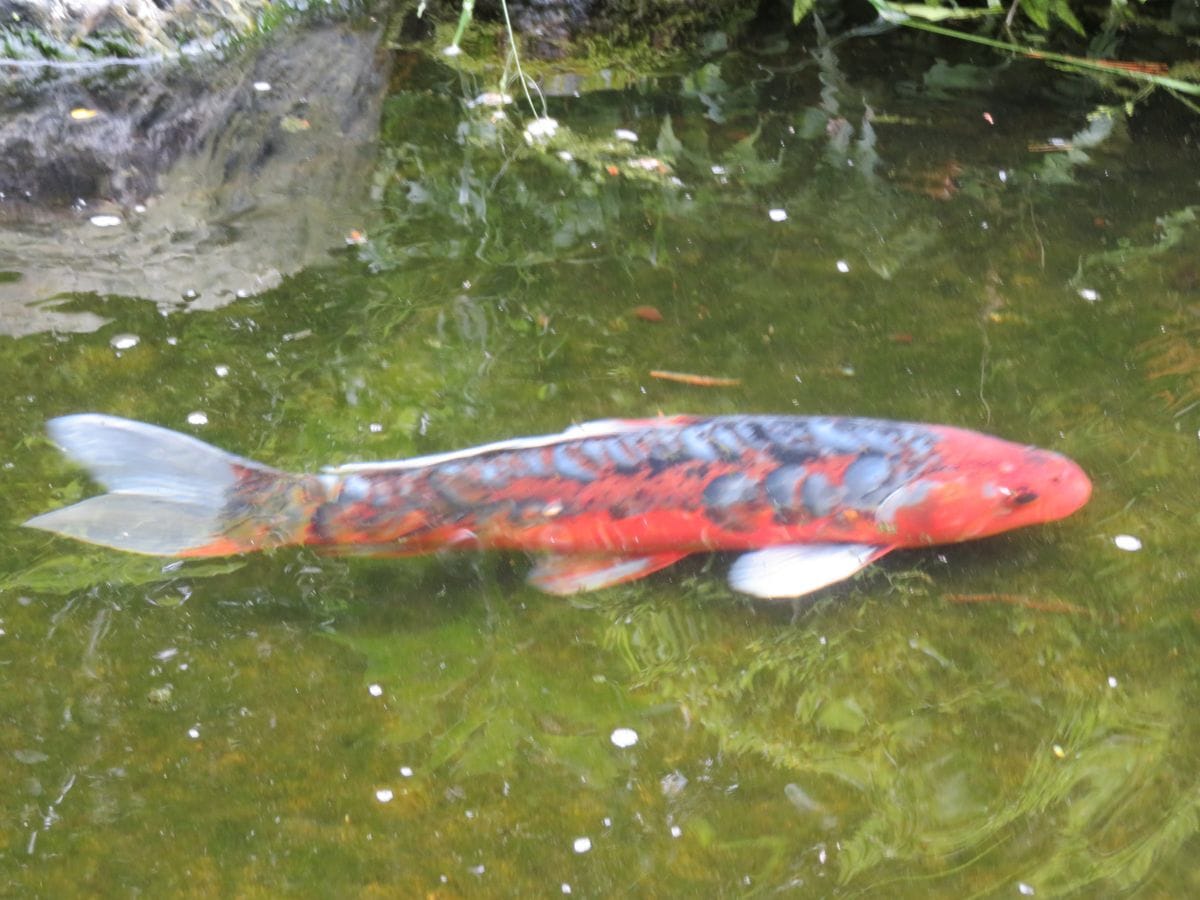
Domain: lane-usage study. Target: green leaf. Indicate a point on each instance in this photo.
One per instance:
(800, 9)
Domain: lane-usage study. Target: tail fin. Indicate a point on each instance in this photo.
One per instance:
(172, 495)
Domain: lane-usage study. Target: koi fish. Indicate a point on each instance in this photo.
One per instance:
(807, 500)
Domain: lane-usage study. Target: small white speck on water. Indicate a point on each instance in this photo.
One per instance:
(105, 221)
(1112, 681)
(406, 771)
(843, 266)
(1089, 294)
(194, 732)
(676, 831)
(566, 888)
(124, 341)
(375, 427)
(197, 418)
(221, 371)
(624, 134)
(384, 795)
(1127, 542)
(582, 844)
(375, 690)
(1026, 890)
(777, 215)
(624, 737)
(262, 86)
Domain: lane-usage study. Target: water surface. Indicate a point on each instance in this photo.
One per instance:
(863, 229)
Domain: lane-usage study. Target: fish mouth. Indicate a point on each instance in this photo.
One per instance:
(1069, 488)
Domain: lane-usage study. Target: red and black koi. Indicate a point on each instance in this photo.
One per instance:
(808, 500)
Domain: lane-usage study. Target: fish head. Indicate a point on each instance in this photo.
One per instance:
(995, 486)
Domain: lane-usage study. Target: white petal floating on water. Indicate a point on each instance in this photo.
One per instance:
(105, 221)
(541, 129)
(197, 418)
(1112, 681)
(624, 134)
(406, 771)
(384, 795)
(262, 86)
(124, 341)
(375, 690)
(1127, 542)
(624, 737)
(777, 215)
(843, 266)
(1089, 294)
(582, 844)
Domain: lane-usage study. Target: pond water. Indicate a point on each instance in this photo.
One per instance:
(869, 228)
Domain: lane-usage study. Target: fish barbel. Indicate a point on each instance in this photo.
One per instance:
(807, 500)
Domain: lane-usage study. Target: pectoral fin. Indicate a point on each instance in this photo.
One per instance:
(574, 574)
(793, 570)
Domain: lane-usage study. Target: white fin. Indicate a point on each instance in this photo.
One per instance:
(598, 428)
(793, 570)
(574, 574)
(167, 491)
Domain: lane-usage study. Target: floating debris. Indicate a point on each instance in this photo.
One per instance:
(623, 737)
(541, 130)
(490, 98)
(648, 313)
(777, 215)
(695, 380)
(105, 221)
(1128, 543)
(124, 341)
(83, 114)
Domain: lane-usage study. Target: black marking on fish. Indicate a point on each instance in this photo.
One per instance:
(731, 489)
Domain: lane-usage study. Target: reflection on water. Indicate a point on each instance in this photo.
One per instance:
(1014, 716)
(187, 188)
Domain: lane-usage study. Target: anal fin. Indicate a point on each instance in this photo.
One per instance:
(573, 574)
(793, 570)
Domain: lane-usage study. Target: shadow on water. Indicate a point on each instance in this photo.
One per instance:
(838, 229)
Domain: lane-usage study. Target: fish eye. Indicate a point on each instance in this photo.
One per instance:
(1022, 497)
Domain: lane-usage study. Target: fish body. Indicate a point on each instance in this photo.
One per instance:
(808, 500)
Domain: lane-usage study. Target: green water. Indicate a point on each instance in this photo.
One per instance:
(1009, 717)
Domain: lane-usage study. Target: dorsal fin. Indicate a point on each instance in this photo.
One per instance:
(597, 428)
